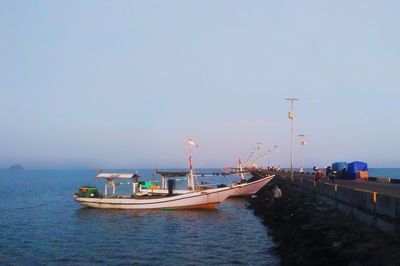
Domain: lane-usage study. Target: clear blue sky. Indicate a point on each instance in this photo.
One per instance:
(125, 83)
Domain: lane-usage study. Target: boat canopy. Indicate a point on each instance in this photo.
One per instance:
(173, 173)
(185, 173)
(116, 175)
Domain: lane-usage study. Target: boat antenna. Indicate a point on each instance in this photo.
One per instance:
(155, 170)
(98, 171)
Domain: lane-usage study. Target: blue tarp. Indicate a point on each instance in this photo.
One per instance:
(339, 166)
(354, 167)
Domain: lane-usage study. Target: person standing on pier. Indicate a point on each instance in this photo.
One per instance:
(329, 174)
(318, 174)
(277, 194)
(328, 170)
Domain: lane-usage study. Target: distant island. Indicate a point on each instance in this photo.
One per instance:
(16, 167)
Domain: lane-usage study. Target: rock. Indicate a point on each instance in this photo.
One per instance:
(324, 209)
(308, 232)
(320, 261)
(336, 247)
(368, 245)
(314, 227)
(307, 227)
(355, 263)
(345, 256)
(360, 253)
(380, 242)
(16, 167)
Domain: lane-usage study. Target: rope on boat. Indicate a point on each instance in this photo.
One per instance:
(42, 204)
(259, 174)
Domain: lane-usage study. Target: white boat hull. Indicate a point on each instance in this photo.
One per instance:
(241, 190)
(248, 189)
(207, 199)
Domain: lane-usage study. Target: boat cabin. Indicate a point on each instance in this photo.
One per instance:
(111, 184)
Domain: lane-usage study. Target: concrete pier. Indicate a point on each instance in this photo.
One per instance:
(374, 203)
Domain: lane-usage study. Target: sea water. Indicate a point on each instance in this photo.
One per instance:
(385, 172)
(41, 224)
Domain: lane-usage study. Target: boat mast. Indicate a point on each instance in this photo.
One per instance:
(241, 170)
(191, 173)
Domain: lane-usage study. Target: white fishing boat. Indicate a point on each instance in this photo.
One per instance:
(250, 188)
(247, 189)
(166, 197)
(206, 199)
(241, 189)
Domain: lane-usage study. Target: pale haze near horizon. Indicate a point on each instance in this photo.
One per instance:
(124, 84)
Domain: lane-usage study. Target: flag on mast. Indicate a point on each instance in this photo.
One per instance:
(191, 142)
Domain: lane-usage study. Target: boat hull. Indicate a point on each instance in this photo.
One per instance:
(207, 199)
(249, 189)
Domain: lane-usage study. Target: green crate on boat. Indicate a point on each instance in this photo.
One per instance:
(147, 184)
(88, 192)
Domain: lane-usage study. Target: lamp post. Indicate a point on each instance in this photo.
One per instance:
(291, 117)
(302, 143)
(268, 157)
(276, 161)
(258, 145)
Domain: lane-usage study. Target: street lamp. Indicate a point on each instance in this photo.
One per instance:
(276, 161)
(291, 117)
(270, 159)
(302, 143)
(258, 145)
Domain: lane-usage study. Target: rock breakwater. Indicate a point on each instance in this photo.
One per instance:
(308, 232)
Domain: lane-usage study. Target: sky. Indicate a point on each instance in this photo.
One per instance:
(124, 84)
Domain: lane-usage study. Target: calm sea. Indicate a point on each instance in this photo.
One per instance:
(40, 224)
(385, 172)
